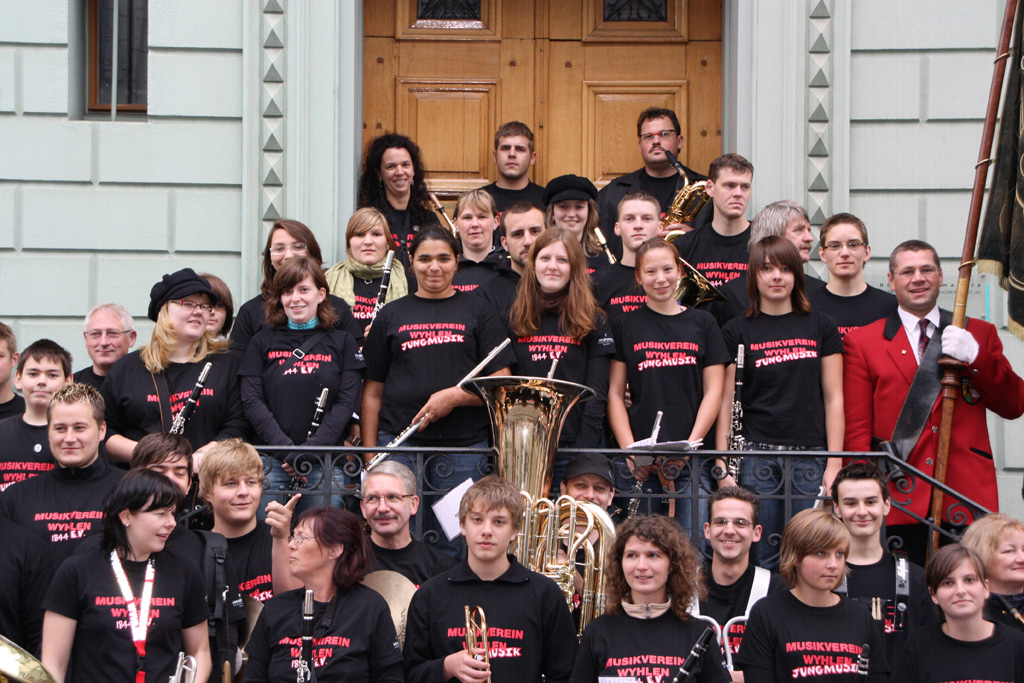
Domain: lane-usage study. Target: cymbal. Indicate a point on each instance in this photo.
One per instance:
(397, 590)
(18, 666)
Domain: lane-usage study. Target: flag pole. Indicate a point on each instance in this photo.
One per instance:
(950, 366)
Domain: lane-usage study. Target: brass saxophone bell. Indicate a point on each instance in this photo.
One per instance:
(688, 202)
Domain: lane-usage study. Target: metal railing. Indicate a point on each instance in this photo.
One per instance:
(789, 480)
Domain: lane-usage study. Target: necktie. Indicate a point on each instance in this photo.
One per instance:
(922, 339)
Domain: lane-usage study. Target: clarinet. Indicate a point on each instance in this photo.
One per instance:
(863, 660)
(696, 653)
(178, 426)
(304, 671)
(1009, 608)
(634, 502)
(385, 282)
(604, 245)
(736, 441)
(321, 403)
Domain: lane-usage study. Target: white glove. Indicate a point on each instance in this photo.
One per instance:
(960, 344)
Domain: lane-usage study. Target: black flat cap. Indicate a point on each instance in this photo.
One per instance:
(176, 286)
(569, 187)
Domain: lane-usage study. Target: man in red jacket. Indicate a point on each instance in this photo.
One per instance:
(880, 362)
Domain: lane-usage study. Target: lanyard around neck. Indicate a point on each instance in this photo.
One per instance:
(138, 615)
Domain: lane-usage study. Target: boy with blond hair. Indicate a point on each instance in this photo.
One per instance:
(529, 626)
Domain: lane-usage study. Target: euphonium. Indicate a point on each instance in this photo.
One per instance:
(476, 622)
(688, 202)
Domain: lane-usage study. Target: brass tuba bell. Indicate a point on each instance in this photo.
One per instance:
(18, 666)
(694, 289)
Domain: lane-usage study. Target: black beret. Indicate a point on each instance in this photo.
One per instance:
(569, 187)
(176, 286)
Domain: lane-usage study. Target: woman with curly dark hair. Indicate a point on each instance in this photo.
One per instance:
(654, 575)
(393, 182)
(353, 632)
(556, 316)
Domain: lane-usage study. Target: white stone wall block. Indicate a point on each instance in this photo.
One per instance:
(890, 217)
(7, 216)
(195, 83)
(945, 222)
(207, 220)
(885, 86)
(958, 84)
(196, 24)
(904, 156)
(46, 149)
(192, 152)
(88, 218)
(273, 99)
(908, 25)
(45, 80)
(7, 76)
(128, 279)
(34, 21)
(273, 30)
(58, 285)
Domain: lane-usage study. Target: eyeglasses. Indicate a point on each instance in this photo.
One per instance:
(113, 335)
(220, 307)
(852, 245)
(739, 523)
(192, 305)
(297, 248)
(661, 135)
(391, 498)
(299, 539)
(926, 271)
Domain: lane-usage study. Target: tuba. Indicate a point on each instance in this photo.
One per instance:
(18, 666)
(527, 414)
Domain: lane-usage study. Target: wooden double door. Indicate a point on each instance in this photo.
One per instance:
(447, 73)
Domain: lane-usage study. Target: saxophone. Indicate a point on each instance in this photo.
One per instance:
(688, 202)
(736, 442)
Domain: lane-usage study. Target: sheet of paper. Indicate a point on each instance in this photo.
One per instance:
(446, 509)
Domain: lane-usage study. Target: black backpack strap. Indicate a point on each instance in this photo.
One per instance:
(215, 555)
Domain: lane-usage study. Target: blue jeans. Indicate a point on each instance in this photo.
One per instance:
(441, 473)
(768, 477)
(280, 486)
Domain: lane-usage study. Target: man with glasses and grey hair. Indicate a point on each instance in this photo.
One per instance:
(109, 334)
(847, 298)
(388, 501)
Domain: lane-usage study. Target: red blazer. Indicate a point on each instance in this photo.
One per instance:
(878, 368)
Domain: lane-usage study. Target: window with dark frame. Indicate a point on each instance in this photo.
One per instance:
(132, 54)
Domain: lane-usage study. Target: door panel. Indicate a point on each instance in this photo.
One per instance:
(578, 80)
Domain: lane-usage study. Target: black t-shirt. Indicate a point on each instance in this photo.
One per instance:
(530, 629)
(583, 362)
(738, 301)
(419, 346)
(500, 291)
(665, 357)
(16, 406)
(88, 376)
(24, 572)
(85, 589)
(62, 506)
(280, 405)
(417, 561)
(251, 318)
(878, 580)
(134, 407)
(851, 312)
(789, 640)
(930, 656)
(474, 274)
(24, 451)
(782, 397)
(619, 646)
(532, 193)
(663, 189)
(725, 602)
(617, 290)
(405, 224)
(358, 643)
(251, 558)
(720, 258)
(365, 292)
